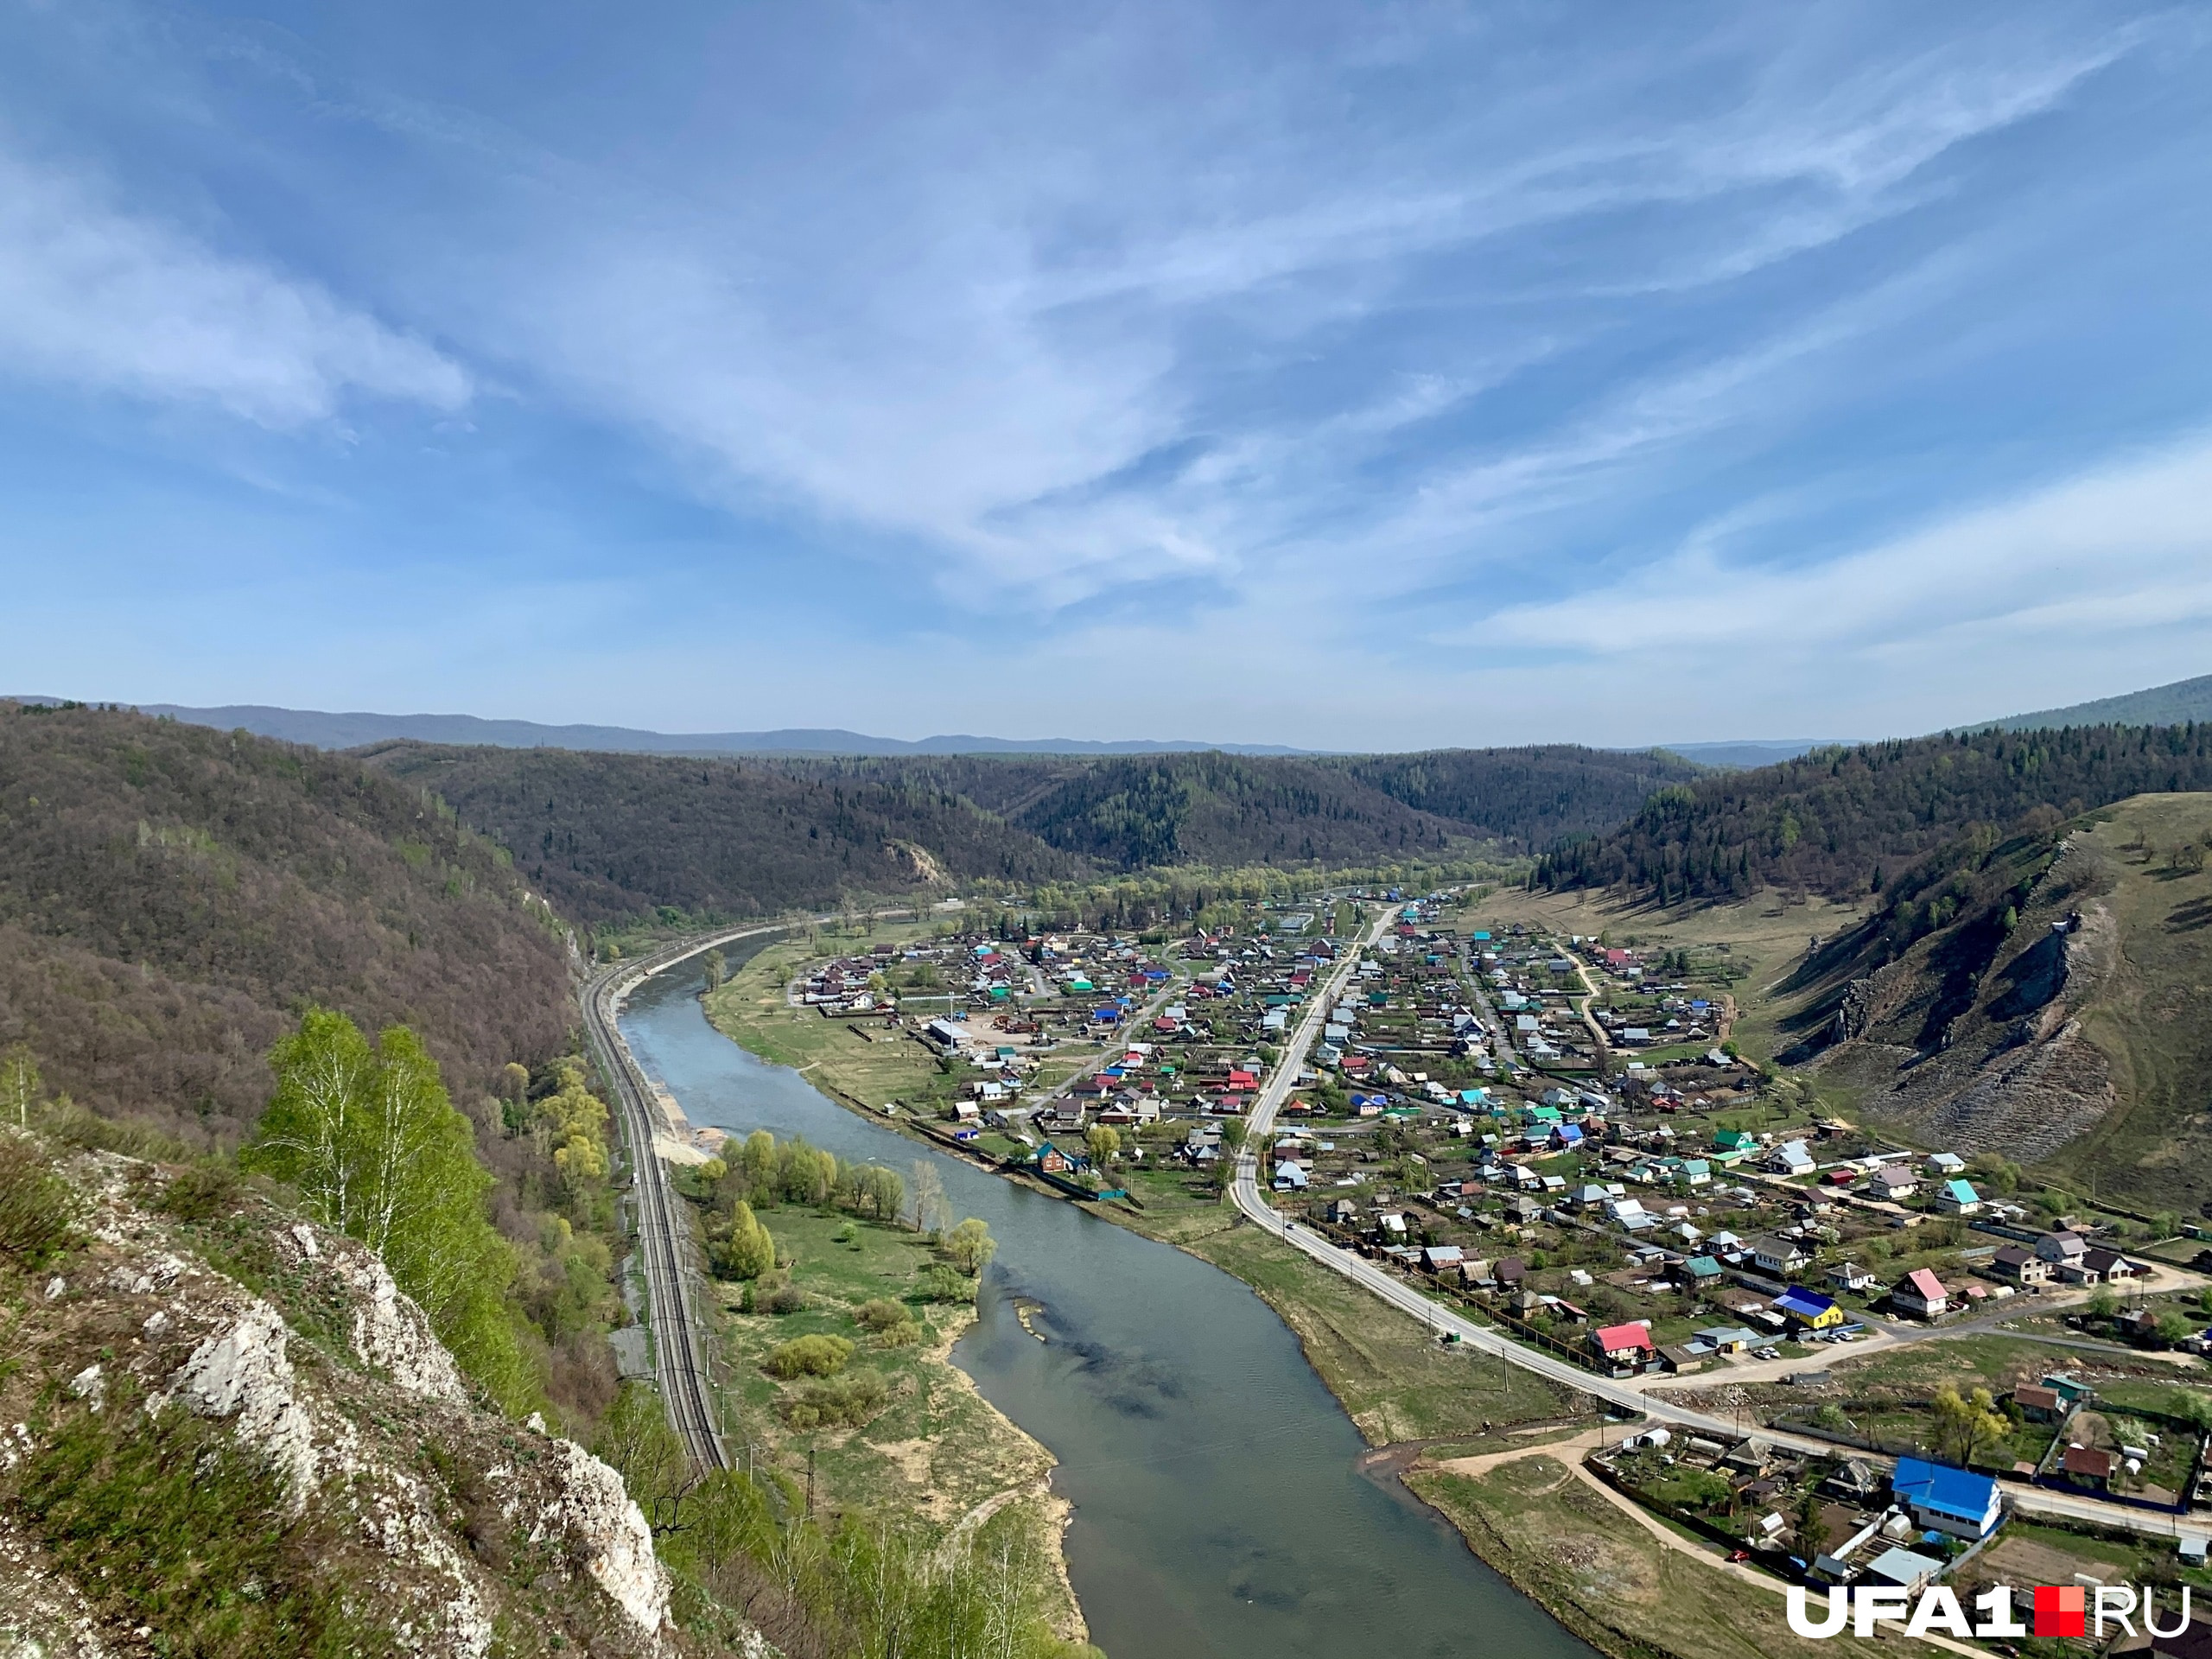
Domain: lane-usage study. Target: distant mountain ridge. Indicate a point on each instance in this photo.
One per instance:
(2177, 704)
(1744, 753)
(322, 730)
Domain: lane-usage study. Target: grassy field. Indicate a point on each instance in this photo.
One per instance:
(752, 1011)
(936, 1450)
(1603, 1575)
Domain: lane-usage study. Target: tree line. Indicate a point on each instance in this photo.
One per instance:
(1845, 821)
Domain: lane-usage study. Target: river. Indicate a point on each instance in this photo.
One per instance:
(1220, 1511)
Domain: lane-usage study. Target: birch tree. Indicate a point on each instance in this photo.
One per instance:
(19, 1082)
(376, 1150)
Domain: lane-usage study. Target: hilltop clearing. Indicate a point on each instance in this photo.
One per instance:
(169, 895)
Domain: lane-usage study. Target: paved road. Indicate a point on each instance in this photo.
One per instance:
(680, 1357)
(1625, 1394)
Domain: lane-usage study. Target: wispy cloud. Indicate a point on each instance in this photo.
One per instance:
(2125, 549)
(96, 296)
(941, 360)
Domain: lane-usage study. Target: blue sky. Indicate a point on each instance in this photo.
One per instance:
(1356, 376)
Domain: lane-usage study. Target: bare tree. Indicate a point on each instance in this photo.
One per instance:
(929, 1209)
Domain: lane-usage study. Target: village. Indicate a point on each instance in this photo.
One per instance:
(1556, 1135)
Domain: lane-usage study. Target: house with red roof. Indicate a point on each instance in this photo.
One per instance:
(1920, 1294)
(1622, 1345)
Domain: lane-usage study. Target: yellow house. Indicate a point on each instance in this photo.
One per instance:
(1807, 1309)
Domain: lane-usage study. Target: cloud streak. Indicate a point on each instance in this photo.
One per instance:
(2125, 549)
(97, 297)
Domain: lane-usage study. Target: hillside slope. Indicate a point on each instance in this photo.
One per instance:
(1228, 810)
(1529, 796)
(2039, 995)
(1842, 821)
(232, 1436)
(170, 896)
(2176, 704)
(609, 837)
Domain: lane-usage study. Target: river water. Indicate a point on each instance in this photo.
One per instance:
(1219, 1508)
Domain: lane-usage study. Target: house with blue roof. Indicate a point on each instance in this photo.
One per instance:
(1946, 1499)
(1807, 1309)
(1957, 1197)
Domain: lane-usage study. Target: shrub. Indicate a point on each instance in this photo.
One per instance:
(881, 1314)
(36, 1206)
(845, 1400)
(774, 1296)
(810, 1356)
(941, 1283)
(199, 1193)
(903, 1335)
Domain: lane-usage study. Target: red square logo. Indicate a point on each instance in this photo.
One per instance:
(2061, 1609)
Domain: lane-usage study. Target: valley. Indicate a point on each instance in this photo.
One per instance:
(1513, 1156)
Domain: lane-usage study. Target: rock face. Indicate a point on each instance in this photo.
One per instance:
(595, 1511)
(388, 1501)
(242, 1373)
(390, 1335)
(1973, 1039)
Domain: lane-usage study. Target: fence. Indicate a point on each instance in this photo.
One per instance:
(1773, 1560)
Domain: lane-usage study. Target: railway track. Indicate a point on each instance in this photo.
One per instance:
(681, 1361)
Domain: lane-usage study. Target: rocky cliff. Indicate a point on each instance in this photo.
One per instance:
(222, 1431)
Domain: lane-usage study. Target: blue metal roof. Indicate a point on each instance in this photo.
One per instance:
(1947, 1490)
(1808, 1304)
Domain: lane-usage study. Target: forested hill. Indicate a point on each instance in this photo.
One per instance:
(1230, 809)
(1234, 810)
(170, 897)
(1530, 796)
(610, 836)
(1842, 821)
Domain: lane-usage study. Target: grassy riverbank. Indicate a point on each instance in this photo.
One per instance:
(1601, 1571)
(1605, 1574)
(1390, 1374)
(920, 1444)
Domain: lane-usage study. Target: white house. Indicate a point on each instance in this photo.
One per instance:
(1790, 1158)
